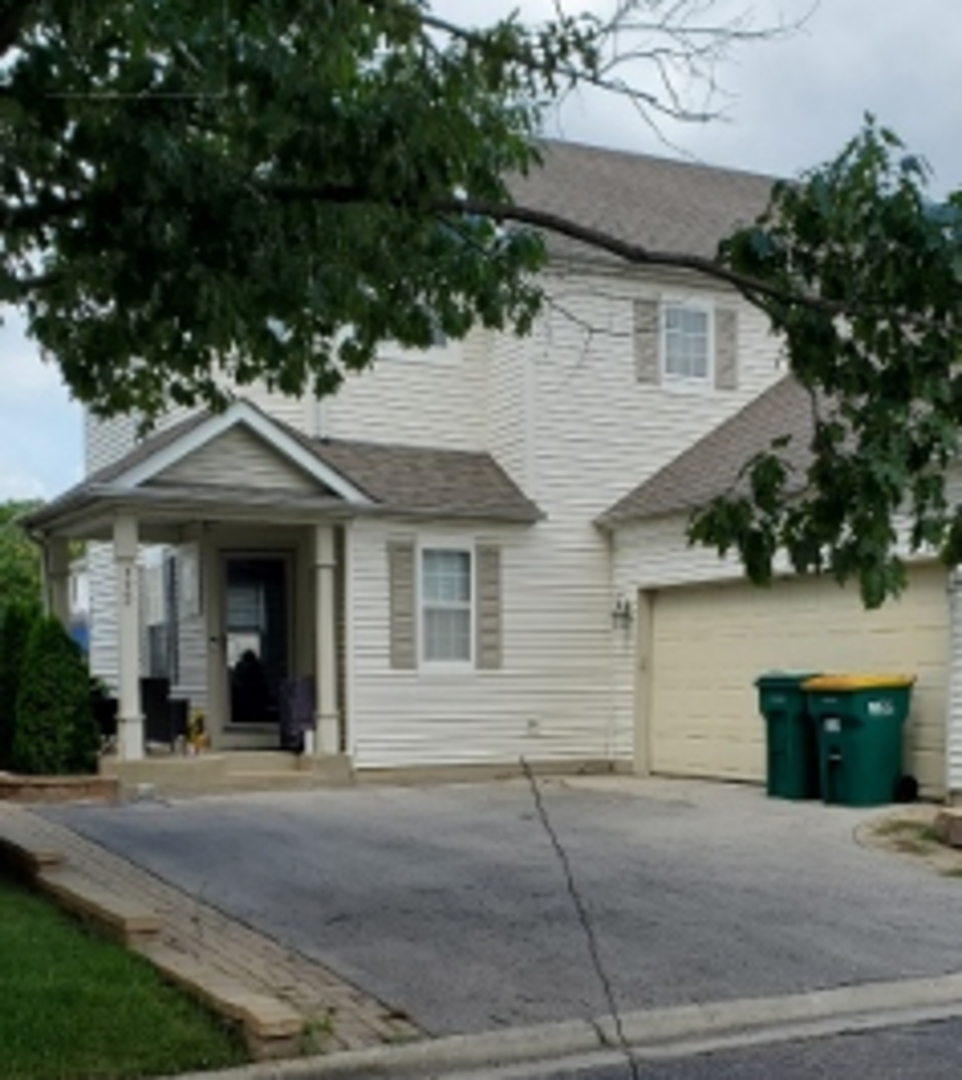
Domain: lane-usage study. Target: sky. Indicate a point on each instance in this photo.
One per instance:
(788, 104)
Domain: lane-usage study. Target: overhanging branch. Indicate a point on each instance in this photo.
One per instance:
(627, 251)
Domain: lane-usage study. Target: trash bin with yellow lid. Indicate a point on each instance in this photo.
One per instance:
(791, 747)
(859, 721)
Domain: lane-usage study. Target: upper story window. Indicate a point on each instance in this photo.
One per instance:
(446, 605)
(686, 342)
(441, 349)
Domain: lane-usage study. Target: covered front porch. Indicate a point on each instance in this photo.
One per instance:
(239, 587)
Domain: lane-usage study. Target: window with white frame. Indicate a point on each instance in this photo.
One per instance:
(686, 337)
(446, 605)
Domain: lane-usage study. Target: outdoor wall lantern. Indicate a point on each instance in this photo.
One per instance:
(621, 614)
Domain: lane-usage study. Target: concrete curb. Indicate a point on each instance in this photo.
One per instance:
(834, 1010)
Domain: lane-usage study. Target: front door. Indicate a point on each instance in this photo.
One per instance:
(258, 624)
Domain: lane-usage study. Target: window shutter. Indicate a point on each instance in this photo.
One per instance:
(647, 341)
(488, 609)
(726, 349)
(403, 605)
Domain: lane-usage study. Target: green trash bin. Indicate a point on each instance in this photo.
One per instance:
(791, 746)
(859, 721)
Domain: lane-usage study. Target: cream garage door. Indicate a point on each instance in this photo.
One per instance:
(710, 642)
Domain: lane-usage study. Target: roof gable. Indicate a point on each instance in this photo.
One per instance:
(713, 465)
(240, 457)
(170, 455)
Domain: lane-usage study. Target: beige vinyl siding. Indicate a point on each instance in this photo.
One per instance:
(104, 442)
(240, 458)
(430, 400)
(299, 412)
(509, 427)
(546, 701)
(709, 643)
(735, 627)
(568, 420)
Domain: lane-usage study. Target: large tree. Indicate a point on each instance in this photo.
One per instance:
(265, 189)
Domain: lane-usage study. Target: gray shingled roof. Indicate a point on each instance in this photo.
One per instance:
(661, 204)
(399, 479)
(428, 480)
(711, 466)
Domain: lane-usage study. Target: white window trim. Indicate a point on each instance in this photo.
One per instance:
(453, 667)
(671, 379)
(450, 353)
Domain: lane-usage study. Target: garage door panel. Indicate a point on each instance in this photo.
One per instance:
(710, 643)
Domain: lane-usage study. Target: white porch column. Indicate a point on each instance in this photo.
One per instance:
(58, 579)
(129, 715)
(326, 719)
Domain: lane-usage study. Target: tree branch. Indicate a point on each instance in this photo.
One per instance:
(636, 254)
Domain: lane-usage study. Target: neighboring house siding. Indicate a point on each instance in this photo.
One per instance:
(103, 612)
(434, 399)
(192, 648)
(104, 442)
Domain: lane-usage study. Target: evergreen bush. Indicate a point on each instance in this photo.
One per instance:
(16, 622)
(55, 729)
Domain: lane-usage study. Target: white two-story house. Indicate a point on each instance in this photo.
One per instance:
(476, 553)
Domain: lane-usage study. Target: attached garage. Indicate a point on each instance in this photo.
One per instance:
(684, 681)
(708, 643)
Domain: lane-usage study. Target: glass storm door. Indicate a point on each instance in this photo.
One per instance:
(258, 625)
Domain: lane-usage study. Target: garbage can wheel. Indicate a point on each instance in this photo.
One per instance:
(906, 789)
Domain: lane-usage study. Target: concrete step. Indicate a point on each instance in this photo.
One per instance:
(121, 918)
(239, 770)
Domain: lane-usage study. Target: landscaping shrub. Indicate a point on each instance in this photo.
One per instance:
(16, 622)
(55, 729)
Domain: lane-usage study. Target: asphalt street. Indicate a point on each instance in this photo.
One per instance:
(923, 1052)
(449, 903)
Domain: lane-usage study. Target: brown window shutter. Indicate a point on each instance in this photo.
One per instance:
(647, 341)
(488, 649)
(403, 605)
(726, 349)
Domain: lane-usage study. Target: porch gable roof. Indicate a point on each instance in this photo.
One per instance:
(350, 475)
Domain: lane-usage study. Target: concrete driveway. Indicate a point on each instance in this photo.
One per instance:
(449, 902)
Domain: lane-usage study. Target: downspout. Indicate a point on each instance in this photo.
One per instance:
(953, 718)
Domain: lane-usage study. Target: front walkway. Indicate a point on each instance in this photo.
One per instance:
(337, 1016)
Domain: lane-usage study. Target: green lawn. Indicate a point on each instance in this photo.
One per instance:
(75, 1007)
